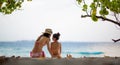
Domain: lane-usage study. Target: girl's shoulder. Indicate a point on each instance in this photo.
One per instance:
(58, 43)
(52, 42)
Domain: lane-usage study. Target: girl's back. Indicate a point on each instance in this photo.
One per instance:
(55, 47)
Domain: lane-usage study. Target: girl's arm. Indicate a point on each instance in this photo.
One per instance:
(60, 48)
(49, 47)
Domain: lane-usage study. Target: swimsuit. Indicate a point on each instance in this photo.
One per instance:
(37, 55)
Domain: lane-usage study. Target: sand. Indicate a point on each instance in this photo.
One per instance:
(62, 61)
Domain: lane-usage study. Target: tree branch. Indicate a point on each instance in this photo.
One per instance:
(103, 18)
(115, 15)
(86, 10)
(115, 40)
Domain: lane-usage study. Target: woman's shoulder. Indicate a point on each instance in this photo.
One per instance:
(59, 42)
(45, 38)
(52, 42)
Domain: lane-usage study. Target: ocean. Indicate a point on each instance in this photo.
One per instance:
(76, 49)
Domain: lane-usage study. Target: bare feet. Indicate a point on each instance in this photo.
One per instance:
(13, 56)
(69, 56)
(18, 57)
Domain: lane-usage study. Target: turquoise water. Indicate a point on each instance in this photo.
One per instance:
(76, 49)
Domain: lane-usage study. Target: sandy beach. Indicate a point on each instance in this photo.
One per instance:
(63, 61)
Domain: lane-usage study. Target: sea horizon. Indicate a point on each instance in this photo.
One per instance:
(76, 49)
(59, 41)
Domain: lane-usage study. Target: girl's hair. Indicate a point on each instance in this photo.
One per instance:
(56, 35)
(46, 35)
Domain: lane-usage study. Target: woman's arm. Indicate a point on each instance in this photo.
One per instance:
(49, 47)
(60, 48)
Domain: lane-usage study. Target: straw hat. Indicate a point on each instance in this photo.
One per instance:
(48, 30)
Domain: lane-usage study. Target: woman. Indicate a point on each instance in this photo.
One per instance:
(56, 46)
(43, 40)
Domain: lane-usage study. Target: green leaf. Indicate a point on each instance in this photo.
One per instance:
(0, 10)
(94, 12)
(10, 5)
(84, 7)
(94, 18)
(79, 1)
(1, 1)
(102, 1)
(101, 12)
(106, 12)
(0, 5)
(29, 0)
(92, 6)
(95, 0)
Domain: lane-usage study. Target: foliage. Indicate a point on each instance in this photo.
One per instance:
(101, 8)
(8, 6)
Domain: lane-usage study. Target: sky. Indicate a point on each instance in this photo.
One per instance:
(63, 16)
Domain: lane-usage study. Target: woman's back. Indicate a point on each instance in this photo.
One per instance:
(40, 43)
(55, 47)
(43, 40)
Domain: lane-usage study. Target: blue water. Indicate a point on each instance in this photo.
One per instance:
(76, 49)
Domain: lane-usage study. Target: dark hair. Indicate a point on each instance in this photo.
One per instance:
(56, 35)
(46, 35)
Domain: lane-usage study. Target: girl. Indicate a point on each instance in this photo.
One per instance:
(55, 46)
(43, 40)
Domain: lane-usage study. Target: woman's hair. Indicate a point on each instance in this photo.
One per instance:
(56, 35)
(46, 35)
